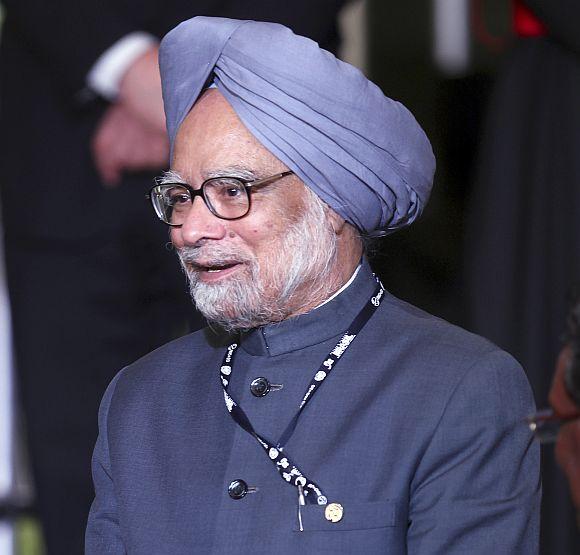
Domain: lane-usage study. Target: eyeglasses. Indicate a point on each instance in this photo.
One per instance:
(226, 197)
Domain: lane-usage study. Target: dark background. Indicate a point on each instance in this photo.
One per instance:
(433, 263)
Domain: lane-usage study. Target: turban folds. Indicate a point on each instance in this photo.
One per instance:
(362, 153)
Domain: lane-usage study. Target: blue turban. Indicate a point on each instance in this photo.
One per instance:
(362, 153)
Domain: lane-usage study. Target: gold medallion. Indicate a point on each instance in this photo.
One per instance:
(333, 512)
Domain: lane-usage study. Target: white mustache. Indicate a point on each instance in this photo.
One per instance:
(212, 256)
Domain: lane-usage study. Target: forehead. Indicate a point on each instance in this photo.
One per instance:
(212, 138)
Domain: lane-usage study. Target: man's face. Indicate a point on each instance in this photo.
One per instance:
(246, 272)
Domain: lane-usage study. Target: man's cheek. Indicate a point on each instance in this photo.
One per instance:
(175, 237)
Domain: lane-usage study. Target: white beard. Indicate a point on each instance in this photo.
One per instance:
(295, 274)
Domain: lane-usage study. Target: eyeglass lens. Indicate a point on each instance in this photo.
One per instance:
(225, 197)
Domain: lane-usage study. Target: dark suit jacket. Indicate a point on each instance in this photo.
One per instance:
(419, 433)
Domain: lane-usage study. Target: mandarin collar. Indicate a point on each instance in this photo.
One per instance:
(316, 326)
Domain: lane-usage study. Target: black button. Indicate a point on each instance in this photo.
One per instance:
(260, 387)
(237, 489)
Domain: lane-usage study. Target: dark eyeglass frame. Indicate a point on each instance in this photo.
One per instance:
(249, 185)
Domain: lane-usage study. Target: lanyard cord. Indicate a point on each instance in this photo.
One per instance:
(275, 450)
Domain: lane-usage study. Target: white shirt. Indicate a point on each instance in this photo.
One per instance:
(107, 72)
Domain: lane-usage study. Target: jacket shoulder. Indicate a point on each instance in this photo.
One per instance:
(183, 361)
(433, 335)
(439, 358)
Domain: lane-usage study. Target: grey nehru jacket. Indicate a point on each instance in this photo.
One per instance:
(418, 433)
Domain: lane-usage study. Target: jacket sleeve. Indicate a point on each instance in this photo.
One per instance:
(103, 533)
(562, 17)
(476, 490)
(68, 36)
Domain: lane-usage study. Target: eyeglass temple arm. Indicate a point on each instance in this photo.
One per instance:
(266, 180)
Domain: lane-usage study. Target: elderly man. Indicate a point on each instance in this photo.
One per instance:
(352, 422)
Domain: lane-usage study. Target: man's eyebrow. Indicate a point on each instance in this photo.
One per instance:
(170, 176)
(241, 172)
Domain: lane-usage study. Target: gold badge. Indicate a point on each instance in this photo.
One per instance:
(333, 512)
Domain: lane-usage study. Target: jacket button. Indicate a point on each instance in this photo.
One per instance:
(260, 387)
(237, 489)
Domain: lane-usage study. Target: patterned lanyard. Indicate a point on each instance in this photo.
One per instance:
(275, 450)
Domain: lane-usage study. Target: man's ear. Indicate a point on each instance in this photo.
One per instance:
(337, 222)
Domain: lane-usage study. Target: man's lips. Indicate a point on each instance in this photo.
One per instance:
(212, 266)
(210, 271)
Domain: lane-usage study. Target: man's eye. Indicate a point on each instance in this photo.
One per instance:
(177, 199)
(232, 192)
(228, 189)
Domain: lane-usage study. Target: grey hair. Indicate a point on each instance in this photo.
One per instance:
(170, 176)
(317, 262)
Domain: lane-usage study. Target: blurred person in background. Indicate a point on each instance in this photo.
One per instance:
(565, 400)
(523, 243)
(568, 439)
(92, 288)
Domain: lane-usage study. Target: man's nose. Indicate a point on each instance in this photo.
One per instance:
(199, 224)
